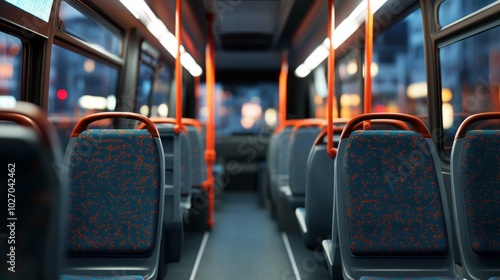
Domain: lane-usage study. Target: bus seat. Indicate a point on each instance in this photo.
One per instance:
(197, 154)
(186, 172)
(304, 134)
(198, 214)
(391, 209)
(475, 171)
(173, 229)
(279, 152)
(116, 199)
(316, 218)
(32, 189)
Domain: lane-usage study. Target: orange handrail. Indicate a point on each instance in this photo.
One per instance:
(84, 122)
(368, 62)
(27, 114)
(290, 122)
(163, 121)
(416, 123)
(178, 67)
(462, 130)
(309, 122)
(192, 122)
(332, 152)
(210, 154)
(283, 79)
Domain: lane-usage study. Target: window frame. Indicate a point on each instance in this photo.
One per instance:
(440, 37)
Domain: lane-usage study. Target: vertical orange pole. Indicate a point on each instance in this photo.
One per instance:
(331, 80)
(178, 67)
(368, 62)
(210, 148)
(283, 80)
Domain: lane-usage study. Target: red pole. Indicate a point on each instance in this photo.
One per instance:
(283, 79)
(210, 154)
(332, 152)
(178, 67)
(368, 62)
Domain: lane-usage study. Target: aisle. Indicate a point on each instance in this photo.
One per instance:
(245, 244)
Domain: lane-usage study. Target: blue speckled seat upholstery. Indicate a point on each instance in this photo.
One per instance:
(197, 156)
(300, 147)
(475, 171)
(392, 215)
(279, 162)
(186, 166)
(116, 199)
(114, 180)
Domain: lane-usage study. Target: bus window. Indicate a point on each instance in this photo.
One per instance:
(452, 10)
(319, 87)
(144, 88)
(242, 108)
(161, 92)
(398, 69)
(470, 79)
(11, 58)
(350, 86)
(79, 86)
(89, 30)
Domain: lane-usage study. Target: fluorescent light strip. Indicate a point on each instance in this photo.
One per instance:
(343, 31)
(142, 11)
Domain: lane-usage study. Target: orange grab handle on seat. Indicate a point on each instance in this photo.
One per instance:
(30, 115)
(475, 118)
(321, 136)
(162, 120)
(415, 122)
(309, 122)
(83, 124)
(192, 122)
(399, 124)
(287, 123)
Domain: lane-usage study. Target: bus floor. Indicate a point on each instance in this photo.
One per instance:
(246, 244)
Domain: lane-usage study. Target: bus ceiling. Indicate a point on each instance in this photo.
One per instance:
(251, 35)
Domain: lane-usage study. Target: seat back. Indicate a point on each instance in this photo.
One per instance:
(319, 191)
(475, 172)
(391, 205)
(303, 135)
(197, 151)
(116, 188)
(186, 172)
(278, 159)
(34, 213)
(283, 156)
(319, 183)
(173, 144)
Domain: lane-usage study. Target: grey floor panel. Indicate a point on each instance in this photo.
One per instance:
(244, 243)
(310, 263)
(190, 247)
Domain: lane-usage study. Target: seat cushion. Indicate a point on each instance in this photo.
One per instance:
(114, 188)
(480, 164)
(392, 196)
